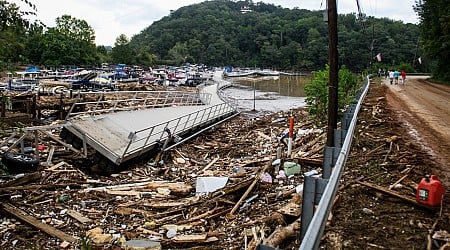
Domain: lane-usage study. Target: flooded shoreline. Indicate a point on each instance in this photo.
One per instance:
(267, 94)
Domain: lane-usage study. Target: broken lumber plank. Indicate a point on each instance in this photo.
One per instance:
(61, 142)
(231, 189)
(21, 215)
(397, 195)
(308, 161)
(50, 156)
(201, 216)
(398, 181)
(190, 238)
(23, 180)
(176, 188)
(104, 188)
(168, 204)
(274, 219)
(54, 167)
(128, 193)
(78, 216)
(244, 196)
(208, 166)
(167, 218)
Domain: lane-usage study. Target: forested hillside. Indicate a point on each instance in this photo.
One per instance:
(218, 33)
(215, 33)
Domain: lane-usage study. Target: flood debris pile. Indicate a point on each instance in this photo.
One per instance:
(376, 205)
(231, 187)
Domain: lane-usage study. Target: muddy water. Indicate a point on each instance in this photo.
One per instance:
(268, 94)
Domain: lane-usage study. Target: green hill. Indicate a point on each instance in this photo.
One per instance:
(219, 33)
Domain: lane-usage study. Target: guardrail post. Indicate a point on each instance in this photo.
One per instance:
(339, 137)
(313, 188)
(309, 193)
(329, 160)
(348, 116)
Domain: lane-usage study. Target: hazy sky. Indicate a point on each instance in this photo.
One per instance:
(110, 18)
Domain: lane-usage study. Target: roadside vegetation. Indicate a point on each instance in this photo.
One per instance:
(317, 92)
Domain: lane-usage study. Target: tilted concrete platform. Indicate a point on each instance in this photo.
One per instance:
(124, 135)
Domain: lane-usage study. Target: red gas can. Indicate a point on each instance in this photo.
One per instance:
(430, 191)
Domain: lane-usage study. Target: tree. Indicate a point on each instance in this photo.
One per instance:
(79, 40)
(12, 17)
(122, 51)
(13, 26)
(76, 29)
(103, 54)
(71, 42)
(435, 27)
(179, 53)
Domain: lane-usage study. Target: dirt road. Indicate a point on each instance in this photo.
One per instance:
(424, 108)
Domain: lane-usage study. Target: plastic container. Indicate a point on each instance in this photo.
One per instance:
(291, 168)
(430, 191)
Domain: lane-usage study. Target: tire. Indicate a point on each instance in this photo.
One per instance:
(20, 163)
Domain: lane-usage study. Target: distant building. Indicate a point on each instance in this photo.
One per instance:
(245, 9)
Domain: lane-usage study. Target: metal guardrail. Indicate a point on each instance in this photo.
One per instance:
(106, 102)
(312, 237)
(131, 144)
(141, 140)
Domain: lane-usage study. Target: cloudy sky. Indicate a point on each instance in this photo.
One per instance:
(110, 18)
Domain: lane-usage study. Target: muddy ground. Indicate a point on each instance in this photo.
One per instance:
(154, 200)
(416, 116)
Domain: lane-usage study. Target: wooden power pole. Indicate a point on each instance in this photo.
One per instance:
(333, 74)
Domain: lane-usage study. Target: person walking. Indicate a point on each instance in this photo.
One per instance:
(396, 74)
(391, 76)
(403, 73)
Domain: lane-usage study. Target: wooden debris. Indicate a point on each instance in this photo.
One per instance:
(78, 216)
(142, 245)
(198, 217)
(294, 207)
(28, 178)
(238, 204)
(208, 166)
(281, 234)
(50, 156)
(177, 188)
(397, 195)
(56, 166)
(397, 182)
(21, 215)
(232, 188)
(190, 238)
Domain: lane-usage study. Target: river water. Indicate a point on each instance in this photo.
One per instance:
(267, 94)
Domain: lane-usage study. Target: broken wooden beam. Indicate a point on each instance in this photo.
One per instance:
(244, 196)
(21, 215)
(78, 216)
(28, 178)
(397, 195)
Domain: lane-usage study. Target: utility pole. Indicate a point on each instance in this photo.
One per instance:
(415, 54)
(333, 74)
(371, 45)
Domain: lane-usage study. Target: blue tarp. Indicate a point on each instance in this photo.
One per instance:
(32, 69)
